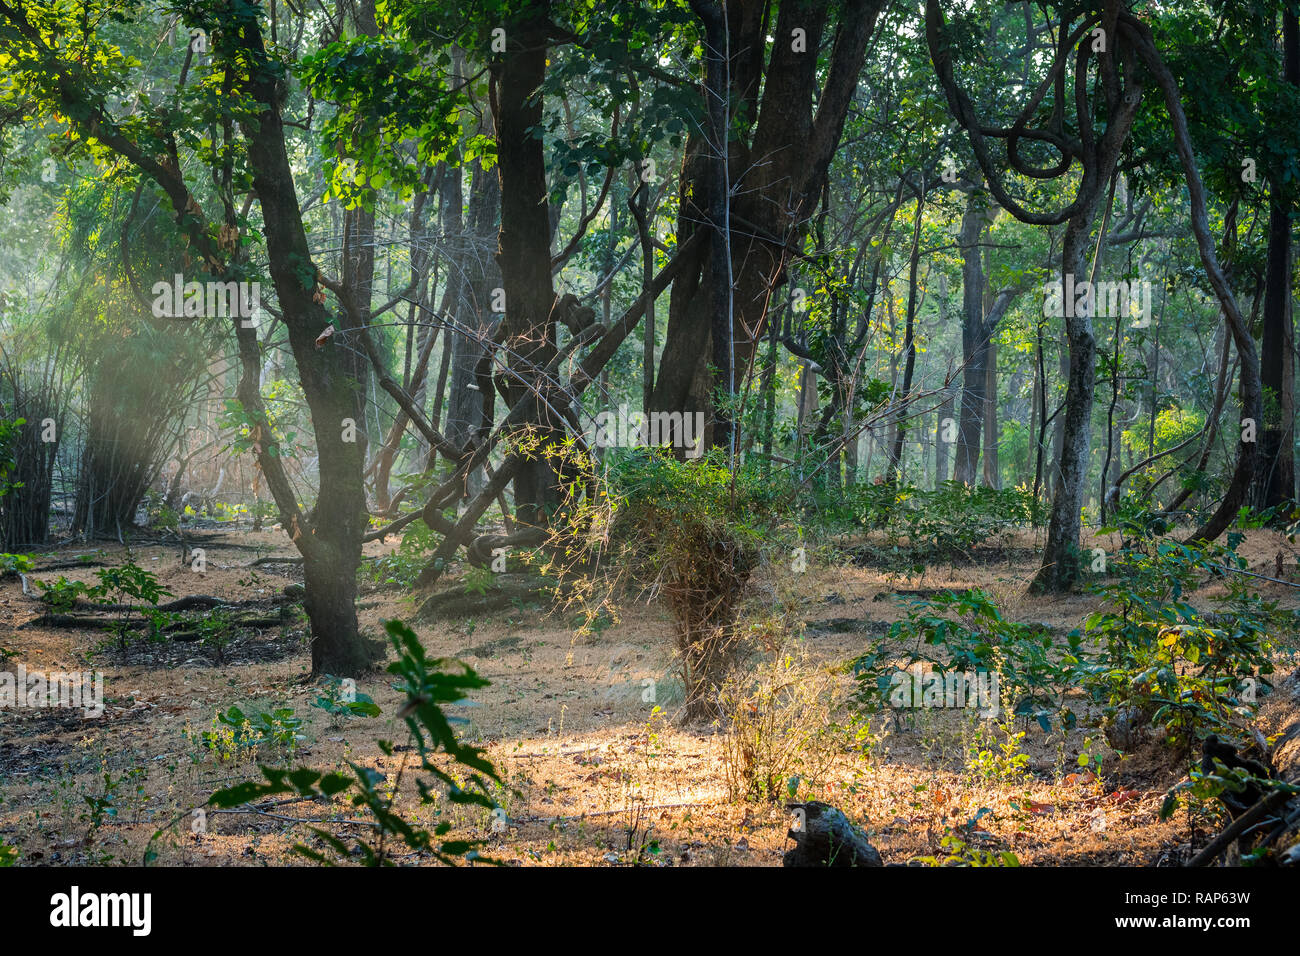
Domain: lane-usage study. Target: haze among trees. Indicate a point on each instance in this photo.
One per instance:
(848, 396)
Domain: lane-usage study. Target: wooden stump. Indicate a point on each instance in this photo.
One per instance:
(824, 836)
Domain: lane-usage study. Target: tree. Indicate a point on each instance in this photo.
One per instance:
(70, 70)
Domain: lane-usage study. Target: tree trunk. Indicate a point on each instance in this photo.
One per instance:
(1275, 476)
(991, 464)
(333, 382)
(794, 103)
(469, 404)
(1060, 567)
(524, 250)
(909, 346)
(973, 343)
(941, 444)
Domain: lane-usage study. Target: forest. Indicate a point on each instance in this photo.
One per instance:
(650, 433)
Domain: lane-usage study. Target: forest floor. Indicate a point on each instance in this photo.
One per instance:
(596, 775)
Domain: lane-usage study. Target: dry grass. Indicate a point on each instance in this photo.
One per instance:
(597, 774)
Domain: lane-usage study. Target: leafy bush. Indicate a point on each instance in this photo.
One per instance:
(15, 564)
(62, 594)
(234, 733)
(121, 584)
(964, 632)
(951, 520)
(1184, 669)
(694, 530)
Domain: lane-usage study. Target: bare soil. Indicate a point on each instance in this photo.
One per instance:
(596, 775)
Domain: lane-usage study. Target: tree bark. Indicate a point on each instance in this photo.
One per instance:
(524, 250)
(1275, 478)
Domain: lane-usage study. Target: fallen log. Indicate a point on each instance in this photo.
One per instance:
(73, 622)
(191, 602)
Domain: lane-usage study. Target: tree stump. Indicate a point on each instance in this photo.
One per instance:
(825, 837)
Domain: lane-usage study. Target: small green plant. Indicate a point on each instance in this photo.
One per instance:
(15, 564)
(216, 632)
(341, 701)
(62, 594)
(994, 760)
(477, 581)
(428, 686)
(121, 586)
(235, 734)
(101, 805)
(1091, 755)
(957, 852)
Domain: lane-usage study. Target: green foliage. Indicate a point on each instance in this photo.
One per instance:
(9, 435)
(401, 566)
(959, 849)
(120, 586)
(997, 760)
(1172, 425)
(1182, 667)
(129, 580)
(1201, 787)
(477, 581)
(428, 685)
(61, 594)
(15, 564)
(341, 704)
(101, 805)
(277, 728)
(696, 530)
(923, 525)
(247, 432)
(966, 632)
(1151, 652)
(216, 631)
(389, 96)
(957, 852)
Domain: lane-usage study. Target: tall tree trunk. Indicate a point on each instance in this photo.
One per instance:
(1060, 567)
(973, 351)
(909, 345)
(941, 443)
(524, 249)
(470, 399)
(991, 479)
(991, 464)
(333, 382)
(795, 104)
(1275, 476)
